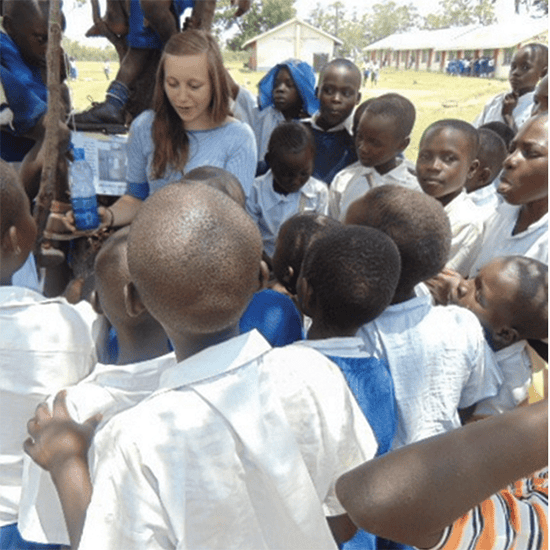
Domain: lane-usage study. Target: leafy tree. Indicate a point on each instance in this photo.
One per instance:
(262, 16)
(456, 13)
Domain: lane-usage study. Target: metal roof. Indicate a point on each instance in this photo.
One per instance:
(471, 37)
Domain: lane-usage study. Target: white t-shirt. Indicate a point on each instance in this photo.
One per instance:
(353, 182)
(492, 112)
(44, 346)
(270, 209)
(108, 390)
(238, 448)
(466, 232)
(439, 361)
(498, 239)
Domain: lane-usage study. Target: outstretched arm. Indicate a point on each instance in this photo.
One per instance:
(60, 445)
(411, 495)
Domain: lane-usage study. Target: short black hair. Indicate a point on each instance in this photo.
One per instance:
(353, 272)
(295, 235)
(503, 130)
(359, 110)
(469, 132)
(540, 50)
(219, 178)
(342, 62)
(491, 151)
(416, 222)
(12, 197)
(290, 137)
(397, 107)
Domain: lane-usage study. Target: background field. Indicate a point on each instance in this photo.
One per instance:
(434, 95)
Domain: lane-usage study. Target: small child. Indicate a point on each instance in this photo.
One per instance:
(438, 356)
(383, 133)
(446, 160)
(288, 188)
(339, 92)
(520, 224)
(348, 278)
(294, 237)
(529, 64)
(44, 345)
(286, 93)
(190, 467)
(481, 187)
(509, 296)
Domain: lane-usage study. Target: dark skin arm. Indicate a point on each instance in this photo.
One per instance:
(60, 445)
(411, 495)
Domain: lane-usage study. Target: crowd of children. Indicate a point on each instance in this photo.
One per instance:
(200, 409)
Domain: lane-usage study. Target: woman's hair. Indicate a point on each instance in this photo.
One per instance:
(169, 135)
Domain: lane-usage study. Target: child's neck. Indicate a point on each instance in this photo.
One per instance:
(529, 214)
(141, 343)
(523, 91)
(388, 166)
(292, 113)
(320, 329)
(402, 296)
(448, 198)
(187, 345)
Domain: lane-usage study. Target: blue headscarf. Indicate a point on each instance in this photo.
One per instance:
(304, 78)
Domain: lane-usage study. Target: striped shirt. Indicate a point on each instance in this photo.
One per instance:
(515, 518)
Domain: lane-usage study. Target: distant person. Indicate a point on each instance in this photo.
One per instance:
(529, 65)
(107, 69)
(540, 100)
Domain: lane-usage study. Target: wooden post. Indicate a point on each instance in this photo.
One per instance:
(48, 182)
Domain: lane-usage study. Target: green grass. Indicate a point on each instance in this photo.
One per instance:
(434, 95)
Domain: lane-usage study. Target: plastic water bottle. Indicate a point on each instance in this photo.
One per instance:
(83, 197)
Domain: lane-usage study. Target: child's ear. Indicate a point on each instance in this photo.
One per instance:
(544, 72)
(96, 305)
(404, 143)
(358, 98)
(264, 275)
(289, 273)
(472, 170)
(505, 336)
(305, 294)
(10, 242)
(484, 174)
(132, 301)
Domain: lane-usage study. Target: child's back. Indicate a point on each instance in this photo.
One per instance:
(438, 357)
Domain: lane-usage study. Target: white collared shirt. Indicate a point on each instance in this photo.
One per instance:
(492, 112)
(439, 361)
(109, 390)
(345, 125)
(44, 346)
(498, 239)
(353, 182)
(466, 232)
(349, 346)
(270, 209)
(239, 448)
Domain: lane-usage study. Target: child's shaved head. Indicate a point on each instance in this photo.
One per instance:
(540, 52)
(295, 235)
(194, 256)
(352, 272)
(416, 222)
(220, 179)
(465, 128)
(397, 107)
(491, 154)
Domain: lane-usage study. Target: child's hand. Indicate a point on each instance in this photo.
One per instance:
(242, 5)
(441, 286)
(56, 438)
(509, 103)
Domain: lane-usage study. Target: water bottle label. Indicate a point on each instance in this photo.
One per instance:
(85, 212)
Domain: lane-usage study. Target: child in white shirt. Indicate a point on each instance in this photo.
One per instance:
(288, 187)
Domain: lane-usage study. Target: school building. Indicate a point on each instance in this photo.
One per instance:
(431, 50)
(292, 39)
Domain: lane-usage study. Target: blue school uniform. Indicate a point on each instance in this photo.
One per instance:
(27, 98)
(10, 539)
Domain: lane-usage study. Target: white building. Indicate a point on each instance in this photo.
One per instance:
(432, 50)
(292, 39)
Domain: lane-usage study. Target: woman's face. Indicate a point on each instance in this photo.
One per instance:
(189, 90)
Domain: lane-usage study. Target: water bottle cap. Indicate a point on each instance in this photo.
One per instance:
(78, 153)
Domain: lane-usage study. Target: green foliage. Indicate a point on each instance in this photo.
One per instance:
(262, 16)
(456, 13)
(86, 53)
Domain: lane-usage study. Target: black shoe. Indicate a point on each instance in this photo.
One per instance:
(101, 117)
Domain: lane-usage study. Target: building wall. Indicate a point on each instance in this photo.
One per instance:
(293, 41)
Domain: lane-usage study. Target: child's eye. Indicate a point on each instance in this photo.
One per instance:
(449, 158)
(328, 90)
